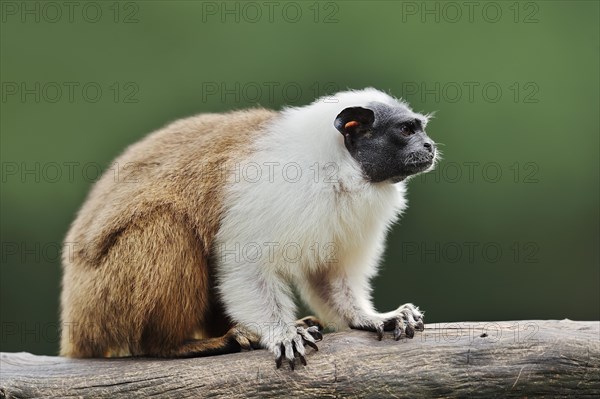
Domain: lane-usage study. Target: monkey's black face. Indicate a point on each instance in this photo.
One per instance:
(389, 142)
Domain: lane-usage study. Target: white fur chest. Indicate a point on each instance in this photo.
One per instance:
(287, 225)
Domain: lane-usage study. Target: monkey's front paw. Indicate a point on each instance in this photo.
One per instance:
(404, 321)
(293, 347)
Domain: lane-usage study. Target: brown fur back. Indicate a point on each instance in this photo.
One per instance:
(137, 277)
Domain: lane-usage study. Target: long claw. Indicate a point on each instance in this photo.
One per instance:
(397, 330)
(379, 329)
(244, 343)
(279, 355)
(303, 360)
(312, 345)
(420, 326)
(289, 351)
(316, 335)
(410, 331)
(310, 335)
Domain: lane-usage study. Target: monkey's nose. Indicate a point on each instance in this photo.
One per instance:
(429, 146)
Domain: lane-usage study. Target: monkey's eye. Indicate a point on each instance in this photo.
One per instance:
(406, 129)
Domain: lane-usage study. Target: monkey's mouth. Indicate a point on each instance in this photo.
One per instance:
(417, 163)
(412, 168)
(404, 167)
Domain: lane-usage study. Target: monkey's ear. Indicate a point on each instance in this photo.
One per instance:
(354, 118)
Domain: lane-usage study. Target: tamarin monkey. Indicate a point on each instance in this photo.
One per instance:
(191, 244)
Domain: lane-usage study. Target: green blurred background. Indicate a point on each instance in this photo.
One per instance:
(507, 228)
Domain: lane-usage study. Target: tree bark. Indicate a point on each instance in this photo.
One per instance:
(487, 359)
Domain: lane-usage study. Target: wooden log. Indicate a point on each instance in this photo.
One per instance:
(487, 359)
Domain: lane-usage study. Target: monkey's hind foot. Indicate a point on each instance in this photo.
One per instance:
(293, 348)
(233, 341)
(309, 321)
